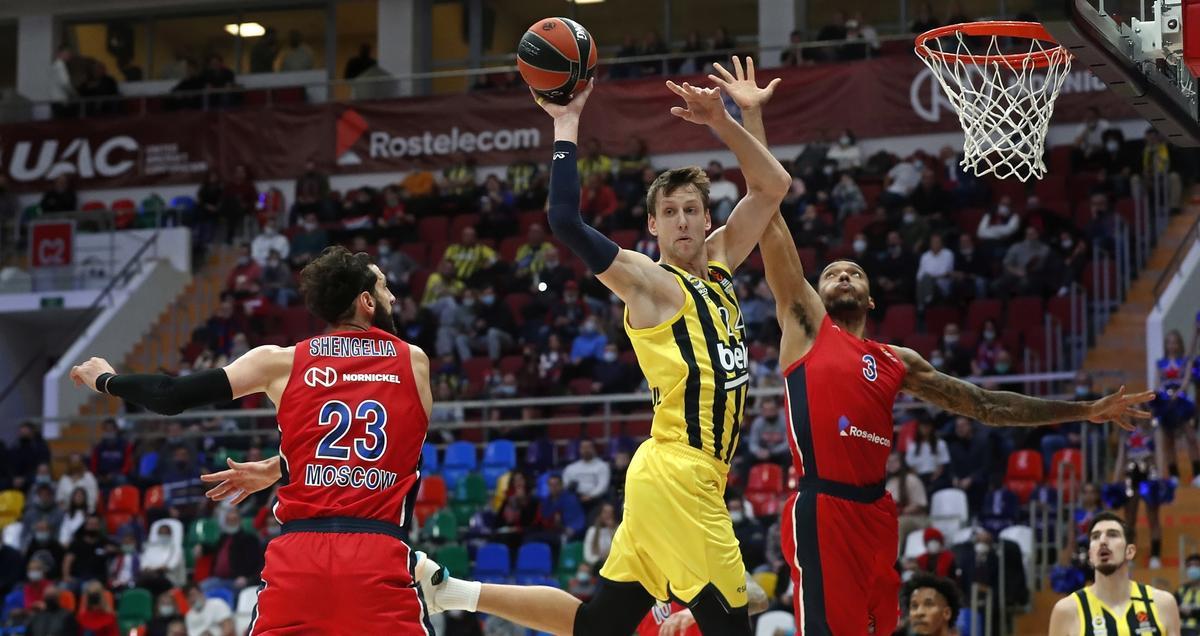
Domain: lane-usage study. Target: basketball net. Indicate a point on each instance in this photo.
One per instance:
(1004, 101)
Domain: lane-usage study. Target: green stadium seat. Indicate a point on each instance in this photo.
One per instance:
(134, 609)
(443, 526)
(455, 559)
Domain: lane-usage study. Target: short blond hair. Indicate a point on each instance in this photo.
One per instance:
(671, 180)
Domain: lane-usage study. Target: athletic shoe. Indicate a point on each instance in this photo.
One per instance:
(430, 576)
(1155, 563)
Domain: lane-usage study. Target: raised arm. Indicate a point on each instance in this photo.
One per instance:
(1005, 408)
(767, 182)
(632, 276)
(795, 298)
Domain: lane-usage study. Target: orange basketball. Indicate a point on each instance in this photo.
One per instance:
(557, 57)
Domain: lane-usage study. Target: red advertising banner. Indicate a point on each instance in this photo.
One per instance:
(109, 151)
(884, 97)
(51, 243)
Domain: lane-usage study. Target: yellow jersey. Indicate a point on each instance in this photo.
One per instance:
(696, 365)
(1140, 618)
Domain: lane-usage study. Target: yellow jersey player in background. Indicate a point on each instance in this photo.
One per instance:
(676, 539)
(1115, 605)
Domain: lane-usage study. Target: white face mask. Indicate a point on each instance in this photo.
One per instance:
(910, 217)
(35, 575)
(860, 246)
(1113, 146)
(610, 356)
(737, 516)
(844, 140)
(981, 549)
(934, 546)
(166, 609)
(1004, 210)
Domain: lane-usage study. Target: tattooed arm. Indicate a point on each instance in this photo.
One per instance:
(1005, 408)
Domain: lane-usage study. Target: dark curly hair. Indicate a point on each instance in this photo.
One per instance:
(946, 588)
(332, 281)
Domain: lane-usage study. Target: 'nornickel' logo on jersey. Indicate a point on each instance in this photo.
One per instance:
(320, 376)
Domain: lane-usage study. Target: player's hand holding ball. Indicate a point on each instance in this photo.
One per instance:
(572, 108)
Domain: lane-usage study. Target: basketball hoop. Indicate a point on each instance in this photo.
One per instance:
(1004, 106)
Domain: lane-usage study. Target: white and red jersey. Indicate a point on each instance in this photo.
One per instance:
(351, 428)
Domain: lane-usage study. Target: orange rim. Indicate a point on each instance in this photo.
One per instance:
(999, 28)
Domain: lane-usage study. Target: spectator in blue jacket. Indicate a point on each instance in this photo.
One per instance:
(112, 456)
(560, 513)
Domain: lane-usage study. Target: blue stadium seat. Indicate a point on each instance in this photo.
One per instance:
(148, 464)
(499, 457)
(492, 563)
(223, 593)
(183, 202)
(14, 600)
(539, 455)
(543, 484)
(459, 460)
(534, 564)
(429, 459)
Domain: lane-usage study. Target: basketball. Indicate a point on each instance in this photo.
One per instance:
(557, 57)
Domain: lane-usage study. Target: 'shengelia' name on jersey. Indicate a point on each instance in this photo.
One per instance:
(325, 475)
(351, 347)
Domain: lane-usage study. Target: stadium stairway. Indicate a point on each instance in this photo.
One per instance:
(1180, 518)
(159, 348)
(1123, 340)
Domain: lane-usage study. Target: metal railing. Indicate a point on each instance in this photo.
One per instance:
(390, 86)
(981, 596)
(131, 268)
(1173, 268)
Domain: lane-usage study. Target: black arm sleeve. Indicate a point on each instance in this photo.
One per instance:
(596, 250)
(168, 395)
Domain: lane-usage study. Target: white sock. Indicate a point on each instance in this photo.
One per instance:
(457, 594)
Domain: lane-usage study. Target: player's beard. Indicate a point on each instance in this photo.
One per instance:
(383, 317)
(846, 309)
(1108, 569)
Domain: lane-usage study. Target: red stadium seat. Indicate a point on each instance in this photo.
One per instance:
(125, 499)
(754, 262)
(1060, 159)
(419, 252)
(509, 247)
(1125, 208)
(1072, 458)
(1060, 308)
(1094, 281)
(627, 239)
(1024, 473)
(433, 229)
(968, 219)
(808, 260)
(460, 222)
(580, 386)
(154, 498)
(477, 371)
(855, 224)
(1052, 187)
(114, 521)
(525, 219)
(516, 304)
(1024, 312)
(922, 343)
(936, 319)
(431, 497)
(766, 478)
(980, 311)
(898, 322)
(93, 206)
(511, 364)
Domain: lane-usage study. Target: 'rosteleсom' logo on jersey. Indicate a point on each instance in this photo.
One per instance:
(846, 429)
(320, 376)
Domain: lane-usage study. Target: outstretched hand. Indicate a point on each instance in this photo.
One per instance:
(1121, 408)
(704, 105)
(85, 374)
(573, 107)
(242, 479)
(741, 85)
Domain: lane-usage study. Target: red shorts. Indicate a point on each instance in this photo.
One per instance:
(339, 583)
(842, 555)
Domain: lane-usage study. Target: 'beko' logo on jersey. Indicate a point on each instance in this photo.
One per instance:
(846, 429)
(320, 376)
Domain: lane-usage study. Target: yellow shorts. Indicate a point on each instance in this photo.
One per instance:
(676, 537)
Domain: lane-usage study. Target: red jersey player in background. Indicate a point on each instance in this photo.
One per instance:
(840, 528)
(353, 408)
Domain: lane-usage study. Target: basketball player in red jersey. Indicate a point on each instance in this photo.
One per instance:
(839, 529)
(353, 409)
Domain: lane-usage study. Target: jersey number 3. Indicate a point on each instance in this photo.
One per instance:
(337, 414)
(870, 372)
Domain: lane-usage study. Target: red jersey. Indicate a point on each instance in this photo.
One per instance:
(658, 615)
(839, 400)
(351, 427)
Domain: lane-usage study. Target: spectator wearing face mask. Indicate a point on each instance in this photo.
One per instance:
(237, 556)
(768, 439)
(938, 559)
(42, 508)
(308, 242)
(49, 617)
(846, 197)
(972, 269)
(928, 454)
(998, 228)
(112, 456)
(934, 273)
(165, 612)
(88, 557)
(610, 375)
(901, 180)
(492, 327)
(29, 451)
(1089, 138)
(161, 560)
(1189, 597)
(1025, 266)
(96, 616)
(207, 616)
(897, 270)
(955, 359)
(583, 585)
(125, 568)
(278, 285)
(988, 350)
(750, 534)
(397, 266)
(845, 152)
(44, 550)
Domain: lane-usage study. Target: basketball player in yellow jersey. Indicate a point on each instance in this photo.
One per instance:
(676, 540)
(1114, 605)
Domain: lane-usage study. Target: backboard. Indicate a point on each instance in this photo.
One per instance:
(1147, 51)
